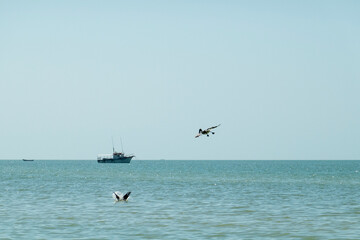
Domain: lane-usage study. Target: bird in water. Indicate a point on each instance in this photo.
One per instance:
(207, 131)
(119, 197)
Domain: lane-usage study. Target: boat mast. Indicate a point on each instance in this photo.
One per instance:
(112, 139)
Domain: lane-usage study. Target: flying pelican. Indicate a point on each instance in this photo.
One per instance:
(207, 131)
(119, 197)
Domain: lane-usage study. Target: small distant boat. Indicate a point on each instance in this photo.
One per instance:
(115, 157)
(28, 160)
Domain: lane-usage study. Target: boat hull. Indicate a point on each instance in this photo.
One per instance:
(117, 160)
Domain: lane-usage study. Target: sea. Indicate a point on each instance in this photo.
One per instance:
(217, 199)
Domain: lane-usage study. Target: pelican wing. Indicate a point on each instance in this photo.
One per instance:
(126, 196)
(213, 127)
(117, 196)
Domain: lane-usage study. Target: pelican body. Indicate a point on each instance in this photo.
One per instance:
(119, 197)
(206, 131)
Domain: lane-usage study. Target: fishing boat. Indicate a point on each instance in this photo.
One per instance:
(115, 157)
(28, 160)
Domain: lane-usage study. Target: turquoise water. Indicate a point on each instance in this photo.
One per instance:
(180, 200)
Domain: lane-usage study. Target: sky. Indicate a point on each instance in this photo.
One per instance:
(281, 77)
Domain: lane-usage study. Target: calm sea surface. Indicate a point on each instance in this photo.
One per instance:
(180, 200)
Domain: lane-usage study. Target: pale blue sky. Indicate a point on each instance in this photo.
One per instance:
(282, 77)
